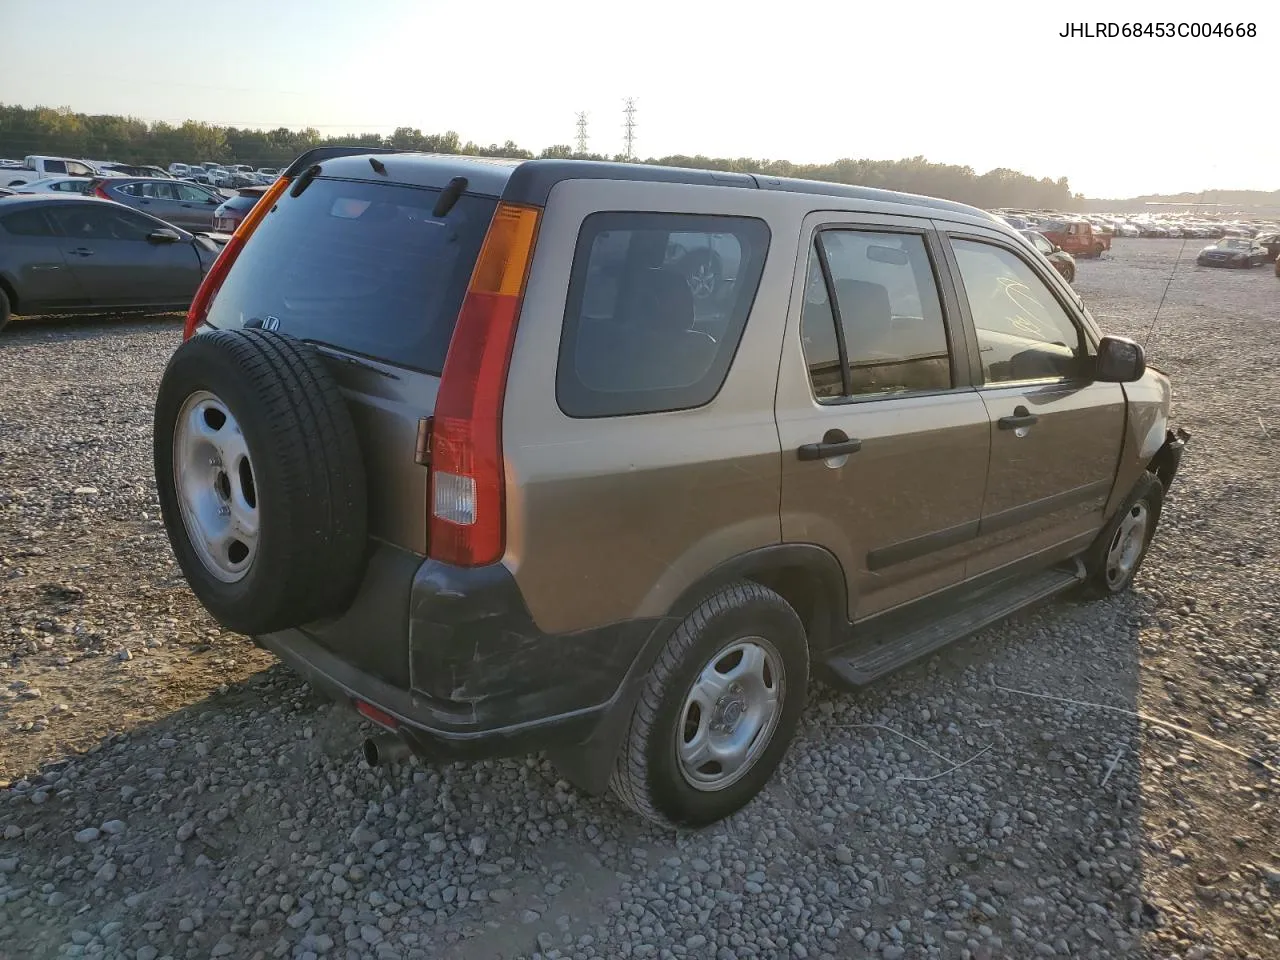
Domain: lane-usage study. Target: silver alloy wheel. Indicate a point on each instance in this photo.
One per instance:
(215, 485)
(730, 713)
(1127, 544)
(702, 281)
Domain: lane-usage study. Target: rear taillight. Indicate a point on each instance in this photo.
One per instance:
(467, 524)
(212, 282)
(100, 190)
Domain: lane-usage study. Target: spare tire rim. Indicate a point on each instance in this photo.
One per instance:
(730, 713)
(1127, 544)
(216, 486)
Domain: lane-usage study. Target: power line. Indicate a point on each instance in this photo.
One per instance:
(582, 131)
(629, 126)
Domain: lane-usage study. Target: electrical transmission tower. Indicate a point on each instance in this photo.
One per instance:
(629, 126)
(582, 132)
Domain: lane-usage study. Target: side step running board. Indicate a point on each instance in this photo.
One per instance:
(985, 608)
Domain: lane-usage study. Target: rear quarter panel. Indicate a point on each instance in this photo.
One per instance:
(613, 518)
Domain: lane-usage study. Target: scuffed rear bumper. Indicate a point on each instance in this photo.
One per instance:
(454, 661)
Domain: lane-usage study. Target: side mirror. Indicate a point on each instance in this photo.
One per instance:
(212, 200)
(1120, 360)
(163, 235)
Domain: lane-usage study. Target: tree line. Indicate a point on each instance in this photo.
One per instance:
(62, 132)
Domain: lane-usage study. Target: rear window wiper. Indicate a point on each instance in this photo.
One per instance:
(352, 360)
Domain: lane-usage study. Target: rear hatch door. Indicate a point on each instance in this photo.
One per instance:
(368, 274)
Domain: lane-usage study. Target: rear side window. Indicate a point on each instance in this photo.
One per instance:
(241, 202)
(893, 338)
(27, 223)
(656, 308)
(55, 166)
(361, 266)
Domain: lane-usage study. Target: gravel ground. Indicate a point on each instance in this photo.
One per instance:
(169, 791)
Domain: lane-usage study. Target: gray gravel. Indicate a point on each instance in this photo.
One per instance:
(172, 794)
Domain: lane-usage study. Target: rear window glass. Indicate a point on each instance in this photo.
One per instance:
(364, 267)
(240, 203)
(657, 304)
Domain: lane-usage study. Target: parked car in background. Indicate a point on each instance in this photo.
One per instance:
(267, 175)
(1062, 261)
(39, 168)
(135, 170)
(185, 205)
(1233, 252)
(219, 177)
(64, 185)
(179, 170)
(198, 174)
(82, 254)
(1077, 237)
(228, 216)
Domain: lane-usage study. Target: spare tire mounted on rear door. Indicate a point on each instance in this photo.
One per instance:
(261, 481)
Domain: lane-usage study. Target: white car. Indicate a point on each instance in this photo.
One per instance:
(219, 177)
(179, 170)
(62, 185)
(36, 168)
(267, 175)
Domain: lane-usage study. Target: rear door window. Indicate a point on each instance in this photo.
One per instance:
(27, 223)
(361, 266)
(892, 334)
(657, 305)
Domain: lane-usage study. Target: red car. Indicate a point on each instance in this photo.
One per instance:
(228, 216)
(1077, 237)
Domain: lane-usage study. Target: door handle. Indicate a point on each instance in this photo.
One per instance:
(82, 252)
(1022, 417)
(834, 444)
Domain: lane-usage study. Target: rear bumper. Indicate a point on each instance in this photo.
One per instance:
(453, 658)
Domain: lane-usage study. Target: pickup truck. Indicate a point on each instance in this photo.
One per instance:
(38, 168)
(1077, 237)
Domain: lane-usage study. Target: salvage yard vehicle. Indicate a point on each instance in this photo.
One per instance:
(1062, 261)
(61, 185)
(66, 255)
(458, 440)
(1077, 237)
(38, 168)
(186, 205)
(1233, 252)
(228, 215)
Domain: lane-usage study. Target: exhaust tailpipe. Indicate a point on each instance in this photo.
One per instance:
(385, 748)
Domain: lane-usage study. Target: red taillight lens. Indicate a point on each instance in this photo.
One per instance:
(100, 190)
(467, 509)
(222, 266)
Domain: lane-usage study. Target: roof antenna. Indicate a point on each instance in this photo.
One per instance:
(1172, 270)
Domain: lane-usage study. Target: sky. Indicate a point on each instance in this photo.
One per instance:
(979, 84)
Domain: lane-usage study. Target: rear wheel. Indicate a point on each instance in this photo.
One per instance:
(718, 710)
(1097, 250)
(5, 310)
(1069, 273)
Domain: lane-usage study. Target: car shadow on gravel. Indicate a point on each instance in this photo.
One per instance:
(936, 798)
